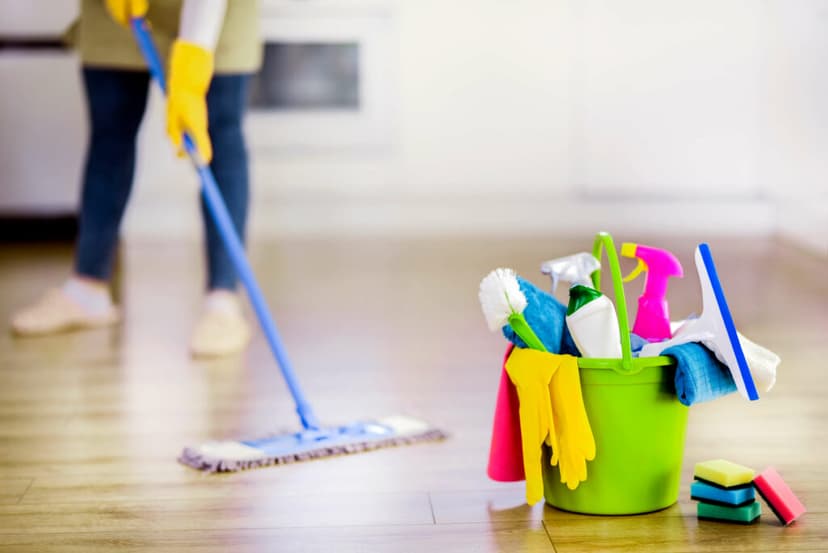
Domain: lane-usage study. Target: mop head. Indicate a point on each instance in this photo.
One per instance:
(280, 449)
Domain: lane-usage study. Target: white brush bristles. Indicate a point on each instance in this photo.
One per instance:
(500, 297)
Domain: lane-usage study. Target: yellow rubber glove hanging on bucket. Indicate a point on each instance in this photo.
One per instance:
(551, 412)
(191, 70)
(531, 371)
(575, 439)
(124, 10)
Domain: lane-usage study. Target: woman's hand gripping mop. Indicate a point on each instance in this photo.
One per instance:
(314, 440)
(551, 409)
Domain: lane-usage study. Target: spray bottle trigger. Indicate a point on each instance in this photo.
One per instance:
(641, 267)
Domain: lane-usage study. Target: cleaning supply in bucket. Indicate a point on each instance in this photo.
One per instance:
(714, 327)
(546, 316)
(575, 269)
(503, 304)
(699, 375)
(531, 376)
(551, 413)
(761, 361)
(575, 439)
(778, 496)
(590, 315)
(638, 426)
(505, 448)
(593, 323)
(652, 321)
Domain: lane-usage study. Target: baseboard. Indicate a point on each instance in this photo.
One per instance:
(487, 217)
(38, 228)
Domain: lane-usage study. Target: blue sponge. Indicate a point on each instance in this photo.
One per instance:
(730, 497)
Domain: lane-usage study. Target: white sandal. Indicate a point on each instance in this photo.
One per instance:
(220, 332)
(56, 312)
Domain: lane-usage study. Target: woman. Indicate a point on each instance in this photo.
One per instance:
(213, 47)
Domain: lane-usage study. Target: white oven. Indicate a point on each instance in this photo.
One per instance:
(325, 84)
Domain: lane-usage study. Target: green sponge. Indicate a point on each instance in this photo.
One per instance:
(723, 473)
(745, 514)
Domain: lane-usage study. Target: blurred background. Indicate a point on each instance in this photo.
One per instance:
(471, 117)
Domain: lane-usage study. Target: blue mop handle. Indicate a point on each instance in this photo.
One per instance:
(217, 208)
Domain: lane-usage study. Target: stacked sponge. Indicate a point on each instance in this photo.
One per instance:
(725, 492)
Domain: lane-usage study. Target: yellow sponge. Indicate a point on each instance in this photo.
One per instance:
(723, 473)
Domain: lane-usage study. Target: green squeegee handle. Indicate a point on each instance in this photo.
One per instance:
(218, 210)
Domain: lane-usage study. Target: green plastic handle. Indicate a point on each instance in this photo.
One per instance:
(518, 323)
(627, 364)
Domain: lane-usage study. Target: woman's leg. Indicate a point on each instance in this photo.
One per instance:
(116, 101)
(226, 103)
(222, 329)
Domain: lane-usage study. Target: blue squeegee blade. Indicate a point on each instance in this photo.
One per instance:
(727, 319)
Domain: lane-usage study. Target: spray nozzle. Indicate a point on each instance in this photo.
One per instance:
(576, 269)
(659, 265)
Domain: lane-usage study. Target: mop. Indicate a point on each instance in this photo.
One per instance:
(313, 440)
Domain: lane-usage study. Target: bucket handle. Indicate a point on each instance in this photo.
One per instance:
(627, 364)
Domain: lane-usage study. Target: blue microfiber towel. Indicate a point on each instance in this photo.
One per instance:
(547, 317)
(699, 375)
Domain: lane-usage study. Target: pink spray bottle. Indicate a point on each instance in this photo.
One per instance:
(652, 322)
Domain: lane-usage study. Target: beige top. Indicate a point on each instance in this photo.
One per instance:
(101, 42)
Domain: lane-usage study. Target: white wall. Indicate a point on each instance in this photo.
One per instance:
(793, 166)
(562, 116)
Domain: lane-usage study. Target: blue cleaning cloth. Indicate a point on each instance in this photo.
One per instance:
(547, 317)
(699, 375)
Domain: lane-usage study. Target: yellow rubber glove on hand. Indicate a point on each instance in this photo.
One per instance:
(577, 444)
(191, 70)
(124, 10)
(531, 372)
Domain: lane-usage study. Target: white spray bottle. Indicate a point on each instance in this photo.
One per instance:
(590, 315)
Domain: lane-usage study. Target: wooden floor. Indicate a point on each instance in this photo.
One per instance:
(91, 423)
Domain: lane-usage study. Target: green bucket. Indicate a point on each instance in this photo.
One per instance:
(638, 424)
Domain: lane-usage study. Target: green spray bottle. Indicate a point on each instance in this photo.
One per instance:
(590, 315)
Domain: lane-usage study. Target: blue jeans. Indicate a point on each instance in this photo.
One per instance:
(116, 100)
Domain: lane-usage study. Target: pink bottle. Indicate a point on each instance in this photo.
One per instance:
(652, 322)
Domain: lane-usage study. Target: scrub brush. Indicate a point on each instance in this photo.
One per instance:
(503, 303)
